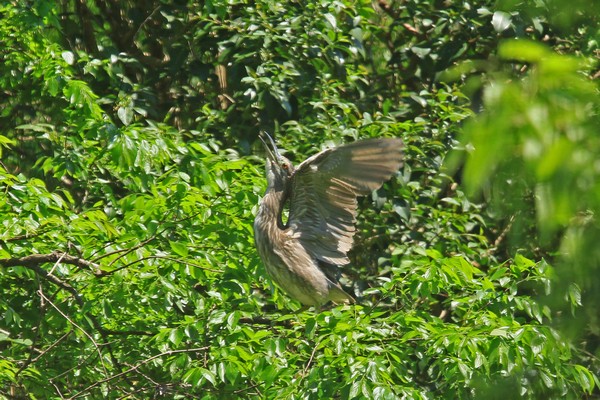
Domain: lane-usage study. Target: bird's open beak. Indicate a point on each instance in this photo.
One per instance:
(273, 153)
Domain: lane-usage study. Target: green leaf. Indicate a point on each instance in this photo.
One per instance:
(501, 21)
(79, 93)
(522, 50)
(502, 332)
(176, 336)
(69, 57)
(125, 114)
(331, 20)
(574, 295)
(179, 248)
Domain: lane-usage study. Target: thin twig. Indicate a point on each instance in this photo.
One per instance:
(145, 20)
(56, 263)
(312, 355)
(145, 241)
(501, 237)
(248, 388)
(162, 258)
(127, 250)
(57, 389)
(37, 331)
(65, 316)
(25, 236)
(53, 345)
(135, 367)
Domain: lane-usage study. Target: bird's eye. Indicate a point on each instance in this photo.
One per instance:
(285, 166)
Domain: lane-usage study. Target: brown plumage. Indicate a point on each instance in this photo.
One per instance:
(321, 193)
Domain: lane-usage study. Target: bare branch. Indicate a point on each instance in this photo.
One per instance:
(33, 261)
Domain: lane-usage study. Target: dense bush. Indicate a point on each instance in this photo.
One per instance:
(130, 179)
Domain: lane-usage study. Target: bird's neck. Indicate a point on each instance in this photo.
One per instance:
(271, 207)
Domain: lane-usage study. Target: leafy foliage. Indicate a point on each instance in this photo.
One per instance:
(129, 188)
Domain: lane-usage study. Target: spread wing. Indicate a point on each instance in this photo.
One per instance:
(324, 189)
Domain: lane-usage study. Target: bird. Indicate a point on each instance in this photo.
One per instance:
(320, 194)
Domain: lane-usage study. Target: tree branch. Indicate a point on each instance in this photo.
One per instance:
(33, 262)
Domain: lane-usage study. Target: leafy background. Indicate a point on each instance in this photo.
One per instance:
(130, 176)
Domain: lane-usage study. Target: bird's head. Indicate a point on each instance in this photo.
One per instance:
(279, 168)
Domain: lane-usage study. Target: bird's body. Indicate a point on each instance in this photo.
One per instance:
(286, 260)
(321, 193)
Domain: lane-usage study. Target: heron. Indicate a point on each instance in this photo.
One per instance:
(302, 254)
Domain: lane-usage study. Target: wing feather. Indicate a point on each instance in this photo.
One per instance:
(324, 190)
